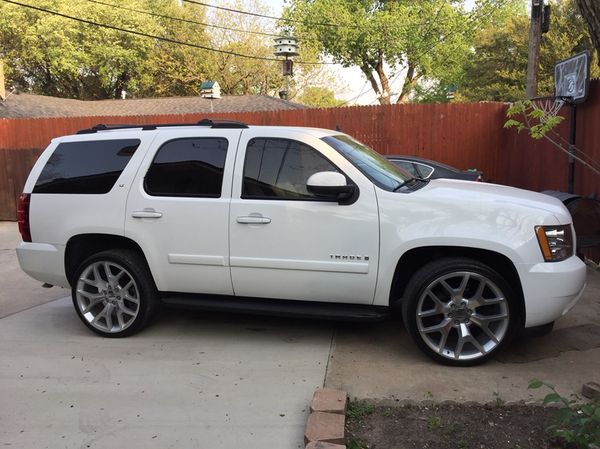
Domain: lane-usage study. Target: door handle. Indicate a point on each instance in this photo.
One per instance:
(253, 219)
(146, 213)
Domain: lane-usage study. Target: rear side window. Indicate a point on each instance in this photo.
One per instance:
(188, 167)
(87, 167)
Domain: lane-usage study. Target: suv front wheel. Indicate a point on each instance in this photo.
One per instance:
(114, 293)
(459, 311)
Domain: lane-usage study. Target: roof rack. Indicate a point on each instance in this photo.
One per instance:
(149, 127)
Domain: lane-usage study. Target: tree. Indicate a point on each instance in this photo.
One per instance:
(52, 55)
(590, 9)
(319, 97)
(243, 76)
(495, 70)
(386, 39)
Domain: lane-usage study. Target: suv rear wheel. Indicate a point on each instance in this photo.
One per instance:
(114, 293)
(459, 311)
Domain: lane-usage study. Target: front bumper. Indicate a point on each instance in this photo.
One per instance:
(551, 289)
(43, 262)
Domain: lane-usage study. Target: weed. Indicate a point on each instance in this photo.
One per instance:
(435, 422)
(357, 410)
(578, 423)
(356, 443)
(387, 412)
(462, 444)
(499, 400)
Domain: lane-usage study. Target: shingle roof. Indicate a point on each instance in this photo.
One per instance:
(27, 105)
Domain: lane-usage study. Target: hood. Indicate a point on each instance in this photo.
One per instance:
(495, 194)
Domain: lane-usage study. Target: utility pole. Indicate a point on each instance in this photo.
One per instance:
(535, 38)
(2, 89)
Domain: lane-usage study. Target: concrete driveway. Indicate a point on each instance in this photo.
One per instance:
(206, 380)
(191, 380)
(379, 361)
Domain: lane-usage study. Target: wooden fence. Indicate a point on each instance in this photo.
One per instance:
(466, 135)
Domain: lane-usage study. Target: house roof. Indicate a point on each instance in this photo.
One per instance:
(208, 84)
(28, 105)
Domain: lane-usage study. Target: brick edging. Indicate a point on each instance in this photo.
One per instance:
(325, 428)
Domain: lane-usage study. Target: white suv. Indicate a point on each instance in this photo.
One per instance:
(295, 221)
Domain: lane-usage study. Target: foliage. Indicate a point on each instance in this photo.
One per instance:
(386, 39)
(496, 69)
(319, 97)
(578, 423)
(534, 120)
(52, 55)
(242, 76)
(357, 410)
(357, 444)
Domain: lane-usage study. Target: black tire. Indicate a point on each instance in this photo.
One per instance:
(458, 318)
(90, 301)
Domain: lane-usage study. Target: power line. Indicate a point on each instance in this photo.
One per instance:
(265, 16)
(181, 19)
(160, 38)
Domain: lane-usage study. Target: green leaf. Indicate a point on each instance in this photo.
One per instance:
(551, 398)
(511, 123)
(535, 383)
(564, 415)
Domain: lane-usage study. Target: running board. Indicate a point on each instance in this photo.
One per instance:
(278, 307)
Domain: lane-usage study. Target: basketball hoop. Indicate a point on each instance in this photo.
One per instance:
(549, 106)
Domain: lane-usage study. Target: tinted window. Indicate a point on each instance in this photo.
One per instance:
(188, 167)
(85, 167)
(408, 166)
(424, 170)
(279, 168)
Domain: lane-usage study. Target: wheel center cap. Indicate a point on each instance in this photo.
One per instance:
(460, 313)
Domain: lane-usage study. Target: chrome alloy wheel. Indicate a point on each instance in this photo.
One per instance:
(108, 296)
(462, 315)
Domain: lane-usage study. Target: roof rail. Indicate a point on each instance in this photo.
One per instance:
(149, 127)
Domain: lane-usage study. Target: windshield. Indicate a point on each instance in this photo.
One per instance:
(374, 166)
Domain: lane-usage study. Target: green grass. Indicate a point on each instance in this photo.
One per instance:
(357, 410)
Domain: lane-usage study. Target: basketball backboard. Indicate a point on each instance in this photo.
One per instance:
(572, 77)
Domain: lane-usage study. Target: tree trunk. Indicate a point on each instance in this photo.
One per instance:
(369, 74)
(409, 82)
(385, 96)
(590, 10)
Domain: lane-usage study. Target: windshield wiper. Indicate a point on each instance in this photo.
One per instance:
(409, 180)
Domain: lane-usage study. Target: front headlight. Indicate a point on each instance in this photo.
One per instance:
(556, 242)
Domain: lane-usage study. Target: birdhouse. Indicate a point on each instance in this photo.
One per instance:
(210, 90)
(286, 46)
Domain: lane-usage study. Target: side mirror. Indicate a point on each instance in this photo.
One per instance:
(331, 185)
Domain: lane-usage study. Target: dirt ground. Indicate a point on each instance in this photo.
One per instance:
(449, 426)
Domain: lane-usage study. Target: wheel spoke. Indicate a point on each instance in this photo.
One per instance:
(91, 283)
(443, 326)
(439, 303)
(128, 311)
(100, 315)
(428, 313)
(94, 302)
(120, 318)
(90, 296)
(97, 276)
(108, 316)
(463, 284)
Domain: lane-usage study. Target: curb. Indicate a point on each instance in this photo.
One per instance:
(325, 428)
